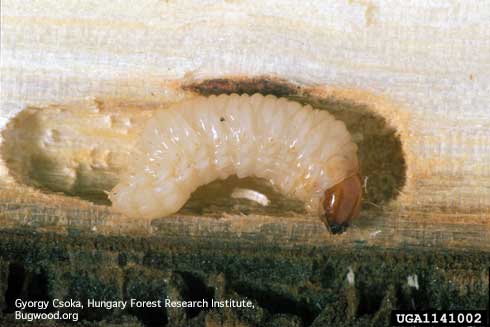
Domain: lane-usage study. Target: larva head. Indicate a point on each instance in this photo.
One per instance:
(342, 204)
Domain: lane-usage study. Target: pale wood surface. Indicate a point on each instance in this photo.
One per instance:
(31, 210)
(424, 66)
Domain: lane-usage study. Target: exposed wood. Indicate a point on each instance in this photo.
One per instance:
(422, 68)
(390, 229)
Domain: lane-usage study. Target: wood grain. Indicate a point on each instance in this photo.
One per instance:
(421, 67)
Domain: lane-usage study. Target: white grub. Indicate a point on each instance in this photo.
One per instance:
(351, 277)
(301, 151)
(413, 281)
(244, 193)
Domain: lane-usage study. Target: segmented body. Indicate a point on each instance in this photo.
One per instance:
(300, 150)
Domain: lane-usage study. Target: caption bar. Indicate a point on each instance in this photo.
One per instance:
(402, 318)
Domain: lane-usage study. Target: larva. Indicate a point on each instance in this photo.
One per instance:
(303, 152)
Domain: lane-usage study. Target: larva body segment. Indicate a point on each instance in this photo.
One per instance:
(300, 150)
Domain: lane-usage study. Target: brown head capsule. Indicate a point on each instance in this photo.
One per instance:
(342, 204)
(199, 140)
